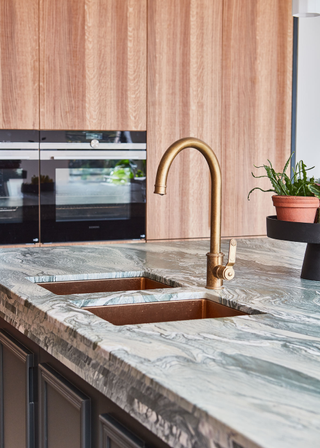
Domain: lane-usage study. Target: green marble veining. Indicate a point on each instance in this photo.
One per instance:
(249, 381)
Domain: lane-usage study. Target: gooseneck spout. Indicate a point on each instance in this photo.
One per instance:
(215, 271)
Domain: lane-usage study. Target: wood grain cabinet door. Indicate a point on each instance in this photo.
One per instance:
(115, 435)
(64, 412)
(16, 394)
(219, 70)
(256, 107)
(184, 100)
(93, 64)
(19, 64)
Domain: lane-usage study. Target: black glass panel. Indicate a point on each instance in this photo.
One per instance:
(89, 200)
(11, 135)
(19, 212)
(87, 136)
(81, 200)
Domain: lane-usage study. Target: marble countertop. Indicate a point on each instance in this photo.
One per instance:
(245, 381)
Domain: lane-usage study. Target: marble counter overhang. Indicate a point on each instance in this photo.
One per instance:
(249, 381)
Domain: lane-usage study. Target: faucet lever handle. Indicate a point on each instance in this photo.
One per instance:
(227, 272)
(232, 252)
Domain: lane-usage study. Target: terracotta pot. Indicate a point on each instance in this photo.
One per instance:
(296, 208)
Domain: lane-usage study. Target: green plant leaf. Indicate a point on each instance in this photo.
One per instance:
(283, 185)
(257, 188)
(314, 189)
(287, 164)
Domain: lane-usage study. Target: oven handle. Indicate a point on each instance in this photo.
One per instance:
(19, 145)
(87, 146)
(19, 155)
(16, 158)
(93, 155)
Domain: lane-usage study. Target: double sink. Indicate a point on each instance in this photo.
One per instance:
(145, 312)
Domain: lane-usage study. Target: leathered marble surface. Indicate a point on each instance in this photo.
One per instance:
(247, 381)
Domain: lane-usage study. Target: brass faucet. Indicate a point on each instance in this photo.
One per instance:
(216, 272)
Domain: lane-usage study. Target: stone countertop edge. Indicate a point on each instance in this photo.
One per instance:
(249, 381)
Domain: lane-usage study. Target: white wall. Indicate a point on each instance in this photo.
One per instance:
(308, 99)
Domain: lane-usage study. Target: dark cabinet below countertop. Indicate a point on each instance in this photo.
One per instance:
(43, 404)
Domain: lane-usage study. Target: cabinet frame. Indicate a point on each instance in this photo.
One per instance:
(27, 357)
(48, 376)
(110, 430)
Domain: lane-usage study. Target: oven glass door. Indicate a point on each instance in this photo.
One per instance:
(19, 195)
(92, 195)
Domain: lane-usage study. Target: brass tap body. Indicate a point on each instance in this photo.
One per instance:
(215, 271)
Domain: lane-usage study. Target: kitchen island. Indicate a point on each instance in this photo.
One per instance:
(245, 381)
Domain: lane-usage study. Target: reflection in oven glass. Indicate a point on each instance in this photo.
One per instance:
(93, 193)
(17, 205)
(85, 193)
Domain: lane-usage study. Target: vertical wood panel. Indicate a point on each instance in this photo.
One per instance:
(62, 64)
(19, 67)
(256, 106)
(93, 64)
(184, 99)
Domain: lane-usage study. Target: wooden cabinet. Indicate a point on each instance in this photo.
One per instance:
(218, 70)
(184, 100)
(84, 67)
(221, 71)
(17, 398)
(19, 64)
(93, 64)
(256, 106)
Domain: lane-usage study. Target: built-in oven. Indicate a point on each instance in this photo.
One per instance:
(19, 195)
(92, 185)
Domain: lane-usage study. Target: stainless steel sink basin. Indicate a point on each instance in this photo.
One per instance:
(103, 285)
(151, 312)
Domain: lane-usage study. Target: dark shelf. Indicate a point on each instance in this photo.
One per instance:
(293, 231)
(303, 233)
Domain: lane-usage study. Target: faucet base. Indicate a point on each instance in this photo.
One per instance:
(214, 260)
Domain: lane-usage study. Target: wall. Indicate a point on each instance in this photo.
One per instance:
(218, 70)
(308, 94)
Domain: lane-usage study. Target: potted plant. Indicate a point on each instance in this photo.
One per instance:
(296, 198)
